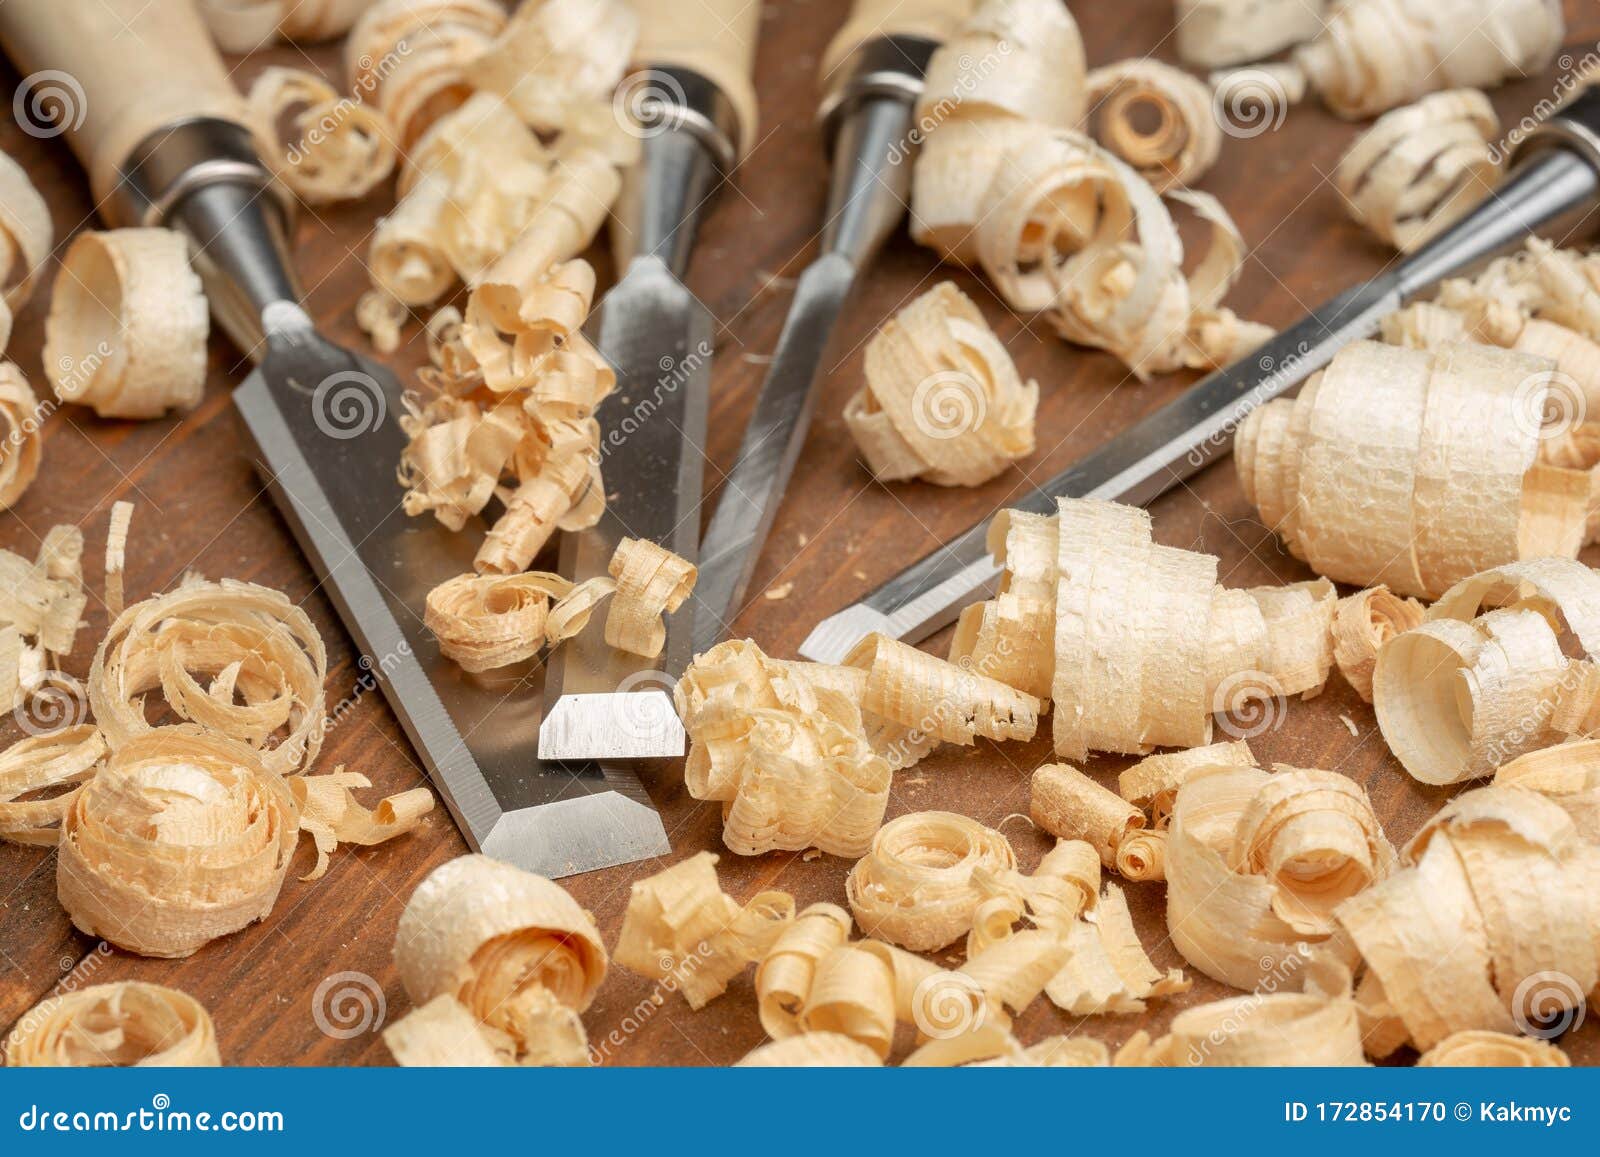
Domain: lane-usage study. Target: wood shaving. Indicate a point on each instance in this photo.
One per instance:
(785, 975)
(920, 691)
(243, 26)
(1257, 862)
(991, 1046)
(264, 660)
(516, 952)
(1106, 970)
(1372, 476)
(126, 1023)
(1185, 139)
(323, 146)
(1488, 927)
(1568, 774)
(971, 110)
(116, 555)
(915, 886)
(381, 317)
(412, 58)
(487, 621)
(1470, 689)
(1422, 167)
(1362, 624)
(651, 582)
(1070, 806)
(1152, 784)
(180, 838)
(27, 237)
(811, 1050)
(557, 54)
(1373, 55)
(42, 766)
(786, 754)
(21, 435)
(1299, 635)
(1493, 1050)
(1213, 33)
(126, 333)
(331, 815)
(681, 928)
(943, 400)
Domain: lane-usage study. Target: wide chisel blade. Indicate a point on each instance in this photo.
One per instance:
(327, 439)
(603, 702)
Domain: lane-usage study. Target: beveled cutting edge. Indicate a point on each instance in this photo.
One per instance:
(1557, 175)
(869, 117)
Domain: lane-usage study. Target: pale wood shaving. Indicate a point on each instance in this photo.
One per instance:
(651, 582)
(1569, 774)
(323, 146)
(26, 237)
(487, 621)
(680, 928)
(1362, 624)
(943, 400)
(1496, 1050)
(918, 690)
(126, 1023)
(558, 54)
(248, 25)
(992, 1046)
(1106, 969)
(785, 976)
(1070, 806)
(1299, 643)
(1375, 54)
(116, 555)
(1152, 784)
(442, 1033)
(514, 949)
(1421, 167)
(331, 815)
(829, 1050)
(42, 766)
(1257, 863)
(21, 435)
(1185, 138)
(126, 333)
(180, 838)
(1212, 33)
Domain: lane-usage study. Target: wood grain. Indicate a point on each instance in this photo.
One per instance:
(838, 535)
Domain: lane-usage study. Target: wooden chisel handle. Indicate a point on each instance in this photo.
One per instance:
(120, 70)
(930, 19)
(716, 38)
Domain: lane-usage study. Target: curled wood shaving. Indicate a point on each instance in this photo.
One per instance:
(1470, 689)
(1152, 784)
(487, 621)
(1070, 806)
(413, 57)
(680, 927)
(557, 54)
(1257, 863)
(918, 690)
(323, 146)
(262, 656)
(180, 838)
(247, 25)
(943, 400)
(1009, 637)
(1375, 54)
(41, 609)
(1489, 927)
(42, 766)
(381, 317)
(21, 435)
(1015, 68)
(1317, 1027)
(1106, 970)
(787, 754)
(1185, 137)
(126, 333)
(1568, 774)
(1493, 1050)
(785, 976)
(915, 887)
(408, 260)
(126, 1023)
(992, 1046)
(26, 236)
(1372, 475)
(331, 815)
(1362, 624)
(1212, 33)
(442, 1033)
(1299, 635)
(116, 555)
(1064, 886)
(514, 949)
(651, 582)
(1421, 167)
(825, 1050)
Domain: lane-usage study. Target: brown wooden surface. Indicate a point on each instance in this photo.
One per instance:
(838, 535)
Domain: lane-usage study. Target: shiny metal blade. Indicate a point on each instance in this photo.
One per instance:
(1136, 466)
(602, 702)
(754, 488)
(325, 427)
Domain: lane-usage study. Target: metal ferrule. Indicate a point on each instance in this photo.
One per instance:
(689, 136)
(1575, 127)
(203, 178)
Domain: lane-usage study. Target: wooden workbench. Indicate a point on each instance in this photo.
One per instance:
(838, 535)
